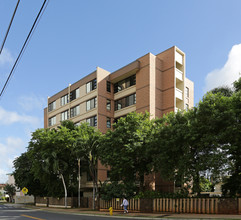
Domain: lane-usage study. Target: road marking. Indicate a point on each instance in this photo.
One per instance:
(28, 216)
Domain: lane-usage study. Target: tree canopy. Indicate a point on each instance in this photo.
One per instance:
(182, 146)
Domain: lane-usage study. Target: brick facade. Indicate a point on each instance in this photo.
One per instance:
(160, 83)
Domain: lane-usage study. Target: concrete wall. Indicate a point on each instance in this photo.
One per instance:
(24, 199)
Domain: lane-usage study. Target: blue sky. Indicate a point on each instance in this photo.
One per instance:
(74, 37)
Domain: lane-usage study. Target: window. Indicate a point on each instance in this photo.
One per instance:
(123, 84)
(89, 177)
(74, 111)
(108, 104)
(187, 92)
(64, 115)
(77, 124)
(52, 106)
(108, 86)
(92, 103)
(187, 107)
(74, 94)
(64, 100)
(125, 102)
(108, 123)
(92, 121)
(52, 121)
(91, 85)
(108, 174)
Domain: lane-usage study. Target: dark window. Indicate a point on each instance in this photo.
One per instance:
(64, 100)
(64, 115)
(74, 94)
(52, 106)
(108, 123)
(108, 86)
(92, 103)
(108, 174)
(52, 121)
(123, 84)
(91, 85)
(74, 111)
(89, 177)
(187, 92)
(187, 106)
(92, 121)
(125, 102)
(108, 104)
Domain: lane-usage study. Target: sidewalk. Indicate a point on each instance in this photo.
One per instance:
(135, 215)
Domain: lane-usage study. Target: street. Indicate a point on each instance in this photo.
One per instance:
(10, 212)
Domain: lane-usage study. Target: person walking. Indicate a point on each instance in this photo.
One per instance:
(125, 203)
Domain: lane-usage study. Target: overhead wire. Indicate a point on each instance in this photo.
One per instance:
(9, 26)
(36, 21)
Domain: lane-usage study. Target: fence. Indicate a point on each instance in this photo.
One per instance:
(184, 205)
(134, 204)
(189, 205)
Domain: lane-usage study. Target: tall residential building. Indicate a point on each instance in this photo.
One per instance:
(153, 83)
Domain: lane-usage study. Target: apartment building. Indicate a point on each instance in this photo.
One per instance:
(153, 83)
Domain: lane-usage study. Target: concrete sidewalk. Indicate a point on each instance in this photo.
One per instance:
(134, 215)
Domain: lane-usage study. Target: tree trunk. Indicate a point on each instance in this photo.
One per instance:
(65, 191)
(196, 184)
(93, 199)
(79, 178)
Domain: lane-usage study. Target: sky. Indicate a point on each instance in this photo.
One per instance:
(74, 37)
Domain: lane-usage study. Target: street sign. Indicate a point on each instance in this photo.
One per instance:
(24, 190)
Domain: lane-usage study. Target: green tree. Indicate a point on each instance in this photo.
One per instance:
(125, 149)
(190, 143)
(171, 147)
(85, 148)
(224, 90)
(10, 190)
(24, 177)
(51, 152)
(237, 85)
(232, 134)
(115, 189)
(206, 185)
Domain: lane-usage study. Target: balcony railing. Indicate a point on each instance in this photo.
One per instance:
(179, 94)
(179, 74)
(177, 109)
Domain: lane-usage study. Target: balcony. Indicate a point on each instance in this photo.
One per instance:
(179, 94)
(179, 74)
(179, 58)
(177, 110)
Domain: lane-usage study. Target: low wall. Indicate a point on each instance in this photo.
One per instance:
(60, 202)
(24, 199)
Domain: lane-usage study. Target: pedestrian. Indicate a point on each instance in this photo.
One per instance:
(125, 203)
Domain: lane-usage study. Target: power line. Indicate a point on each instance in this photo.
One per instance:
(9, 26)
(23, 47)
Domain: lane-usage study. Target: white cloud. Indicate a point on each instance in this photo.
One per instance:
(228, 73)
(14, 142)
(6, 57)
(7, 118)
(11, 147)
(3, 176)
(31, 102)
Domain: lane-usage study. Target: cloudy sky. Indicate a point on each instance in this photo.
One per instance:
(74, 37)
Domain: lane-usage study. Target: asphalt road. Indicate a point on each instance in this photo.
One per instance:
(9, 212)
